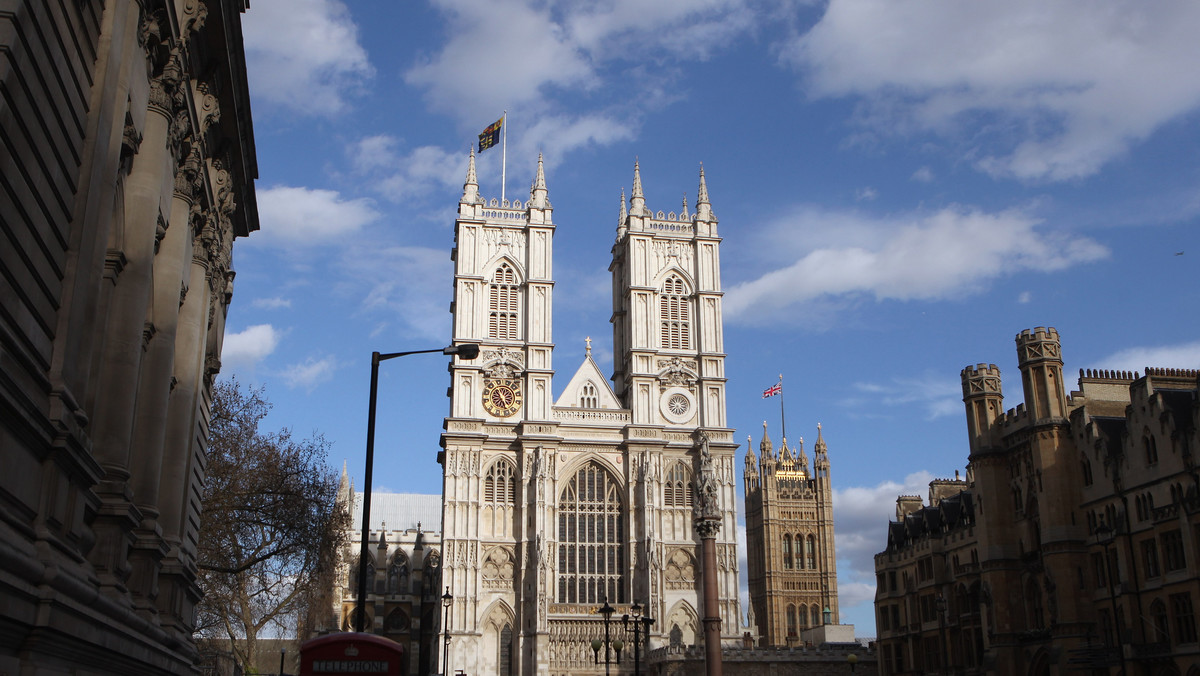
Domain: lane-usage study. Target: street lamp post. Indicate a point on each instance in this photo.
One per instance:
(638, 621)
(465, 351)
(1105, 536)
(447, 601)
(616, 644)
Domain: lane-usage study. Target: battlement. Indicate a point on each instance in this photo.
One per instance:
(1039, 333)
(1104, 375)
(1016, 415)
(1038, 345)
(1171, 373)
(980, 379)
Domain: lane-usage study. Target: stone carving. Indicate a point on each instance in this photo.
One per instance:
(708, 503)
(681, 570)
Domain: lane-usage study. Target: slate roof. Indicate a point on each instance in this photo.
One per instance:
(400, 511)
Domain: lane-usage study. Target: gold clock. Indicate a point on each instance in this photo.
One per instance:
(502, 397)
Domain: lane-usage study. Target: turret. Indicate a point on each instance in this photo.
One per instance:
(985, 407)
(821, 456)
(1039, 356)
(750, 472)
(622, 217)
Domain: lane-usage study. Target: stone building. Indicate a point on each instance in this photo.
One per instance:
(1073, 543)
(791, 565)
(404, 573)
(553, 507)
(126, 171)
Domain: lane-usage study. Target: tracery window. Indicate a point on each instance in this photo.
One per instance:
(816, 616)
(589, 396)
(504, 300)
(500, 484)
(677, 490)
(674, 313)
(803, 616)
(504, 659)
(591, 533)
(810, 554)
(791, 620)
(787, 552)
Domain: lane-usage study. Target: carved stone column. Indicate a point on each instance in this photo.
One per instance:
(706, 518)
(131, 248)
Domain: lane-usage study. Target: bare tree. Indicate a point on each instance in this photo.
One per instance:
(271, 527)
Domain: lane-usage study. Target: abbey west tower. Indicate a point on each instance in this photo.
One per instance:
(554, 506)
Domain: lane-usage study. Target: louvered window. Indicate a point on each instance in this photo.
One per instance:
(504, 304)
(675, 317)
(500, 484)
(591, 534)
(677, 491)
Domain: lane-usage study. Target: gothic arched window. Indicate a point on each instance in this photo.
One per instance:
(677, 491)
(504, 659)
(500, 484)
(816, 615)
(591, 533)
(791, 620)
(674, 314)
(810, 553)
(1151, 448)
(787, 552)
(803, 616)
(589, 396)
(398, 574)
(504, 304)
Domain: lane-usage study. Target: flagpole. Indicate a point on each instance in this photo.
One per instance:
(782, 418)
(503, 152)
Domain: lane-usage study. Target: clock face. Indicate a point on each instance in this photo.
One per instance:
(502, 398)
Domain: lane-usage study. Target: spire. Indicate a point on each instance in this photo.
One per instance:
(637, 201)
(819, 447)
(751, 459)
(471, 186)
(703, 208)
(684, 214)
(624, 214)
(343, 491)
(764, 446)
(801, 456)
(538, 193)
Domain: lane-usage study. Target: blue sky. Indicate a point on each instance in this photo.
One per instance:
(902, 187)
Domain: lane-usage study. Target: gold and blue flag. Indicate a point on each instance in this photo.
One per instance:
(491, 135)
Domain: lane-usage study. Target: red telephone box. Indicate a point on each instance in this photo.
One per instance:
(351, 653)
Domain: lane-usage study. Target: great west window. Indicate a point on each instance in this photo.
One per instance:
(591, 530)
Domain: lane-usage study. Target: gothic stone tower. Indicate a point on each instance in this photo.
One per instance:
(553, 507)
(792, 569)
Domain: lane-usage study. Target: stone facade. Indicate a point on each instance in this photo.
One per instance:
(791, 564)
(553, 507)
(404, 573)
(127, 165)
(819, 661)
(1072, 544)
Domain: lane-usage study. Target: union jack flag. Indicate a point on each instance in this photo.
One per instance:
(773, 390)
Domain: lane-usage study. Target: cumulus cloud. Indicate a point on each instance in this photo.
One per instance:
(860, 518)
(304, 54)
(303, 216)
(1054, 89)
(924, 256)
(310, 372)
(1183, 355)
(245, 348)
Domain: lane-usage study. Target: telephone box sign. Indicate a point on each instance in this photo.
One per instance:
(350, 653)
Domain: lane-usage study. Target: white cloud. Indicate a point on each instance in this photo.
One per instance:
(951, 253)
(1055, 88)
(399, 176)
(939, 397)
(310, 372)
(860, 520)
(564, 46)
(305, 216)
(867, 194)
(923, 175)
(304, 54)
(247, 347)
(271, 303)
(410, 285)
(1024, 297)
(1183, 356)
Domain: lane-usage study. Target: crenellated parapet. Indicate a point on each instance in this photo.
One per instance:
(984, 399)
